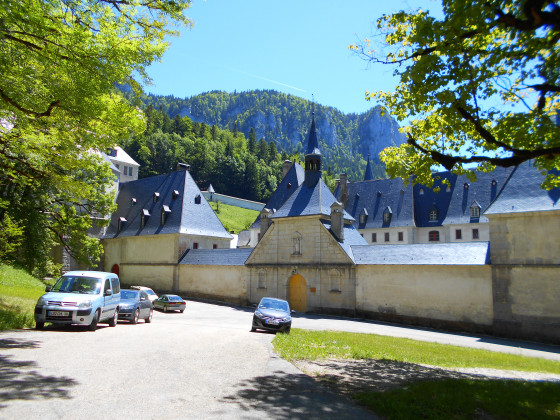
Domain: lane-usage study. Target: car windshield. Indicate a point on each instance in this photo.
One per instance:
(274, 304)
(175, 298)
(129, 294)
(149, 291)
(77, 284)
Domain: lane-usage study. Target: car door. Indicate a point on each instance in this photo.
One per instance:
(108, 308)
(144, 305)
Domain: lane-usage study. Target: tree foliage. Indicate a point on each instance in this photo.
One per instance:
(60, 61)
(479, 86)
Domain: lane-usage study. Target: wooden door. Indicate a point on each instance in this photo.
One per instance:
(297, 293)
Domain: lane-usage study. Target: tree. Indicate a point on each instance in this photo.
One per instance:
(480, 86)
(60, 63)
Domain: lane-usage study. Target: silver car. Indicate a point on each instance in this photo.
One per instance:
(82, 298)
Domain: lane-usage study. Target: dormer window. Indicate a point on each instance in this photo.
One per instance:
(165, 212)
(156, 197)
(122, 223)
(175, 194)
(448, 188)
(197, 199)
(466, 186)
(434, 214)
(363, 217)
(421, 191)
(144, 217)
(475, 210)
(133, 201)
(387, 214)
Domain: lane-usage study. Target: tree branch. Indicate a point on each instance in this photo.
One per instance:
(46, 113)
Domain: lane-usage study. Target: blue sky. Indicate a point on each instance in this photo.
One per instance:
(298, 47)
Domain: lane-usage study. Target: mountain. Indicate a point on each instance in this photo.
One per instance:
(284, 119)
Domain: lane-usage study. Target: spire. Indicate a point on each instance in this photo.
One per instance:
(369, 172)
(313, 172)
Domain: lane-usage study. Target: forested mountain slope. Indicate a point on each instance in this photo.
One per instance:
(345, 139)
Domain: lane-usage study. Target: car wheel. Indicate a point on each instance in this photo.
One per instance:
(113, 321)
(93, 325)
(182, 310)
(253, 329)
(39, 325)
(165, 309)
(149, 319)
(134, 319)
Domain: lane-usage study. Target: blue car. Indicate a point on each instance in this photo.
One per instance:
(135, 305)
(272, 315)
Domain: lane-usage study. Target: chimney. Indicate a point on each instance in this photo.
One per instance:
(337, 220)
(265, 221)
(183, 167)
(286, 167)
(344, 189)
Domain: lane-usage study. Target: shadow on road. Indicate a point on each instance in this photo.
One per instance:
(293, 396)
(19, 380)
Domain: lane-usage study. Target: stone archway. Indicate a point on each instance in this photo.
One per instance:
(297, 293)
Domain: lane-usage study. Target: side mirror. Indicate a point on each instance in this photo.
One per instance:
(108, 292)
(48, 289)
(254, 305)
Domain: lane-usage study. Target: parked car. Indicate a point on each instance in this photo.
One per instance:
(272, 314)
(151, 294)
(82, 298)
(170, 303)
(135, 305)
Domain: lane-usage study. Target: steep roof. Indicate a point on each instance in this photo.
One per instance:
(313, 142)
(377, 196)
(309, 201)
(233, 256)
(351, 238)
(460, 253)
(290, 183)
(522, 193)
(186, 210)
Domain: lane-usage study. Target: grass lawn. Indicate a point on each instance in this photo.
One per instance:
(438, 398)
(234, 218)
(19, 292)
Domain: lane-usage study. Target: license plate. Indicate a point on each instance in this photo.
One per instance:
(58, 313)
(273, 322)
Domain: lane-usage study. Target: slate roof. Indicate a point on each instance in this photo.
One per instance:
(309, 201)
(522, 193)
(376, 197)
(313, 142)
(290, 183)
(467, 253)
(351, 238)
(368, 174)
(188, 212)
(233, 256)
(453, 203)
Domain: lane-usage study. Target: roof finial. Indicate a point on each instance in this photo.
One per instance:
(313, 105)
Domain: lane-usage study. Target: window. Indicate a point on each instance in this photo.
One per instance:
(475, 211)
(296, 243)
(475, 233)
(433, 216)
(122, 223)
(262, 280)
(197, 199)
(195, 245)
(433, 236)
(387, 237)
(401, 237)
(214, 246)
(458, 234)
(165, 211)
(387, 214)
(374, 237)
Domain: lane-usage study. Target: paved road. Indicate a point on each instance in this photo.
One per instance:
(203, 363)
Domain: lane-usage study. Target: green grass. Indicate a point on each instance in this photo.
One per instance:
(19, 292)
(234, 218)
(467, 399)
(447, 398)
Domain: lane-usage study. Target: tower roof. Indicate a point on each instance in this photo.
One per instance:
(313, 142)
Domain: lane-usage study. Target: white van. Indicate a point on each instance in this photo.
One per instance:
(81, 298)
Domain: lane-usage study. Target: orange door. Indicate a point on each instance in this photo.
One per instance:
(297, 293)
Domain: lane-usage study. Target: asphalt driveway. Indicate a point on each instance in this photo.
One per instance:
(203, 363)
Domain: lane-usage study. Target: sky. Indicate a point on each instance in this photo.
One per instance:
(298, 47)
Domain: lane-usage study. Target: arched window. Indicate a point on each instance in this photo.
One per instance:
(296, 243)
(433, 236)
(262, 280)
(336, 280)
